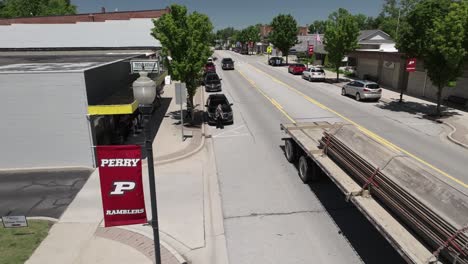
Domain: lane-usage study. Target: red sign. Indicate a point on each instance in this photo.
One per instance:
(311, 50)
(411, 65)
(121, 185)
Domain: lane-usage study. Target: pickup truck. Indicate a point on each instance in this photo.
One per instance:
(314, 73)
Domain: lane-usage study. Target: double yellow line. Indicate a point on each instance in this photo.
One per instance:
(272, 101)
(363, 129)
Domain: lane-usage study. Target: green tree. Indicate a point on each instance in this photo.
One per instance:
(318, 26)
(284, 33)
(29, 8)
(186, 38)
(225, 34)
(393, 11)
(435, 31)
(340, 37)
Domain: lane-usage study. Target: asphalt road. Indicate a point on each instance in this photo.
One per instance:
(411, 132)
(42, 193)
(269, 215)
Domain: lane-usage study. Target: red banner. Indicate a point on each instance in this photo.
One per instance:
(121, 185)
(310, 50)
(411, 65)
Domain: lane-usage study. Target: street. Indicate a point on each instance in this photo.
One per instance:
(269, 215)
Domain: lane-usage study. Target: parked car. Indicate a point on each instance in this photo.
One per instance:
(275, 61)
(212, 82)
(210, 67)
(314, 74)
(296, 68)
(227, 64)
(292, 52)
(210, 60)
(212, 102)
(362, 90)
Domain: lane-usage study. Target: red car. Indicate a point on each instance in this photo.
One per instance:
(297, 68)
(210, 67)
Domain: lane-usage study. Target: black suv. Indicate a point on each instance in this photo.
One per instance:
(275, 61)
(212, 103)
(212, 82)
(227, 64)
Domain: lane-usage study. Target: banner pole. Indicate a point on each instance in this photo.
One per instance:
(154, 207)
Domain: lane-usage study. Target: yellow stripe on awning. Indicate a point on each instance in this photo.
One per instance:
(120, 109)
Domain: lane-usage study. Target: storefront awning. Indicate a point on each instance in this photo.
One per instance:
(114, 109)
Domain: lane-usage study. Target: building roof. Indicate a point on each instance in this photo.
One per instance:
(57, 62)
(114, 30)
(374, 36)
(87, 17)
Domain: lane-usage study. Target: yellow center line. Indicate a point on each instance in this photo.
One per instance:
(272, 101)
(364, 130)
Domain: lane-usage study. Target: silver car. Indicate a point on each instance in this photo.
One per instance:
(362, 90)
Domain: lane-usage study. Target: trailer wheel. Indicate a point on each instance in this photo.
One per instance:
(290, 150)
(308, 170)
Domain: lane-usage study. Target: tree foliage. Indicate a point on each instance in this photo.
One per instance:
(340, 37)
(391, 15)
(284, 33)
(318, 26)
(186, 39)
(435, 31)
(225, 34)
(29, 8)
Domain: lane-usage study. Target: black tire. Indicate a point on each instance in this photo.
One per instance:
(308, 170)
(291, 150)
(358, 97)
(310, 78)
(343, 92)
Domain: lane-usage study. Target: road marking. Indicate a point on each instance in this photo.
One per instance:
(272, 101)
(364, 130)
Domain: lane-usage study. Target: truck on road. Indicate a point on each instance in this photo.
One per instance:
(422, 216)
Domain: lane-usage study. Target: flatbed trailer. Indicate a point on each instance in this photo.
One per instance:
(302, 145)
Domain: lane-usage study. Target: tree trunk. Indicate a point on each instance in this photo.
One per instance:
(337, 74)
(439, 96)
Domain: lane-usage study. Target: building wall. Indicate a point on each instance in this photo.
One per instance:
(367, 67)
(101, 82)
(416, 86)
(44, 121)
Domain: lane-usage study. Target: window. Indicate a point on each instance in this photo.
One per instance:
(373, 86)
(358, 84)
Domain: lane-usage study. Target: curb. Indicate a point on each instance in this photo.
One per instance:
(197, 149)
(449, 136)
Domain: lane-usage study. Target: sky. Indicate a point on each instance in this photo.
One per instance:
(242, 13)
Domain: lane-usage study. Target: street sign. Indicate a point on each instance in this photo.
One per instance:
(144, 65)
(14, 221)
(120, 173)
(411, 65)
(269, 49)
(181, 93)
(310, 50)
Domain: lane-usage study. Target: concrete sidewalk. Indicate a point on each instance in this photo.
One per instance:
(79, 235)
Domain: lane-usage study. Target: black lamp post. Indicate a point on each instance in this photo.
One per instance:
(144, 91)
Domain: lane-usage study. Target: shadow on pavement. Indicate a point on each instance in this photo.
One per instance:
(427, 111)
(368, 243)
(156, 120)
(40, 193)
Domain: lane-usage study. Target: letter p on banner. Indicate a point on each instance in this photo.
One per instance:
(120, 175)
